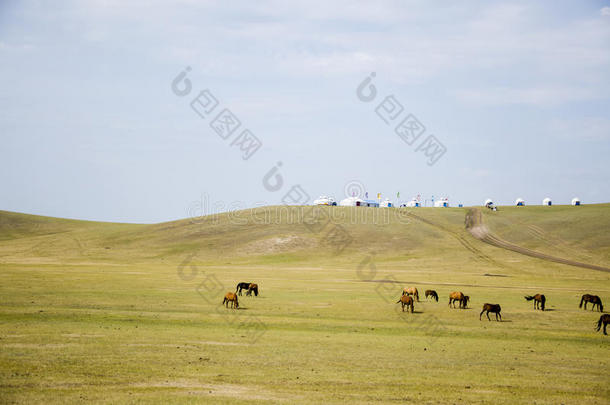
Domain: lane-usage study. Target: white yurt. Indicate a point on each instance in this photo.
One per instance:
(386, 203)
(519, 202)
(324, 200)
(547, 201)
(413, 203)
(443, 202)
(489, 202)
(351, 202)
(575, 201)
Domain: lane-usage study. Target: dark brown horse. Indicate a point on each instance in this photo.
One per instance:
(242, 286)
(432, 293)
(232, 298)
(252, 288)
(493, 308)
(539, 300)
(605, 319)
(458, 296)
(411, 291)
(406, 300)
(593, 299)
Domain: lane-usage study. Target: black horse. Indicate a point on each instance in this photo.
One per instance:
(242, 286)
(593, 299)
(432, 293)
(605, 319)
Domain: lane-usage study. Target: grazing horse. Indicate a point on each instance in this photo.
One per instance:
(593, 299)
(242, 286)
(494, 308)
(252, 287)
(605, 319)
(411, 291)
(406, 300)
(458, 296)
(232, 298)
(432, 293)
(539, 300)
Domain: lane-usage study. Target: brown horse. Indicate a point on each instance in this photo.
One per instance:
(593, 299)
(539, 300)
(411, 291)
(406, 300)
(605, 319)
(432, 293)
(232, 298)
(493, 308)
(458, 296)
(252, 287)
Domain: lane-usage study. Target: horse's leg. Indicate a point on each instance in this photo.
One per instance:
(481, 314)
(488, 318)
(605, 324)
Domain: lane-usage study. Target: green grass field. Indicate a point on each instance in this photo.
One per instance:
(123, 313)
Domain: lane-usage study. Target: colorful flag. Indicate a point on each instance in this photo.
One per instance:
(379, 196)
(366, 194)
(398, 195)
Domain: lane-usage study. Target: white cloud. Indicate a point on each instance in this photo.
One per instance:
(589, 128)
(605, 11)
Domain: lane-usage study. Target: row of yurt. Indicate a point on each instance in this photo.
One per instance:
(520, 202)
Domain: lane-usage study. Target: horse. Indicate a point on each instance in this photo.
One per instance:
(494, 308)
(457, 296)
(593, 299)
(252, 287)
(406, 300)
(411, 291)
(605, 319)
(539, 300)
(432, 293)
(241, 286)
(232, 298)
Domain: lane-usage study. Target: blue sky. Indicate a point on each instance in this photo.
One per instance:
(517, 92)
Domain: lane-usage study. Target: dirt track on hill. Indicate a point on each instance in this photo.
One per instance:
(476, 227)
(460, 238)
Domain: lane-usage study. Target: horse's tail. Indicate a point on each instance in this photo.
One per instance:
(529, 297)
(599, 323)
(581, 301)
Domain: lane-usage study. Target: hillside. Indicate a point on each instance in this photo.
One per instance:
(280, 234)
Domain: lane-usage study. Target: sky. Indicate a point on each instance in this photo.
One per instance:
(502, 100)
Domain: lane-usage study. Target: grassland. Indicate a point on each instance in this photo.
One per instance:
(124, 313)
